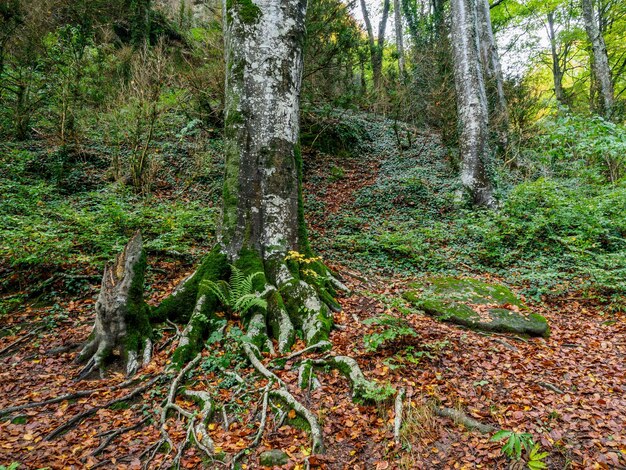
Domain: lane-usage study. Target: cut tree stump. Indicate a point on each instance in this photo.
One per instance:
(122, 317)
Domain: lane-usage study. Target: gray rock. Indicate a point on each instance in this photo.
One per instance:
(476, 305)
(273, 458)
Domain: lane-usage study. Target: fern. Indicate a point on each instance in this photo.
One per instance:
(239, 294)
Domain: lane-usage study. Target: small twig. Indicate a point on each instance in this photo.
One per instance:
(549, 386)
(114, 434)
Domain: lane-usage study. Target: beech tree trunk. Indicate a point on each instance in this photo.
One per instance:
(557, 71)
(376, 45)
(600, 63)
(491, 64)
(471, 104)
(399, 39)
(262, 226)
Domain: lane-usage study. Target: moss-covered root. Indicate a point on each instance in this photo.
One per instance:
(193, 302)
(316, 431)
(122, 316)
(362, 389)
(306, 310)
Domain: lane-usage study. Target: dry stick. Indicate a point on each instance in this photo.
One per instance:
(549, 386)
(460, 417)
(20, 340)
(79, 417)
(114, 434)
(69, 396)
(397, 420)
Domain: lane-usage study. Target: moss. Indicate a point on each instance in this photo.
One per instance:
(453, 300)
(247, 11)
(137, 318)
(276, 311)
(180, 306)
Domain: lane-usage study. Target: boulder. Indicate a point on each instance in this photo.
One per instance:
(475, 305)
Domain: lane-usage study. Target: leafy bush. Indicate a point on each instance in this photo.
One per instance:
(573, 146)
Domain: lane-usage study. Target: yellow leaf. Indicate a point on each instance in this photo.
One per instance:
(212, 426)
(28, 437)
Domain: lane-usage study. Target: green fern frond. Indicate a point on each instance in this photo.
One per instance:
(220, 289)
(248, 301)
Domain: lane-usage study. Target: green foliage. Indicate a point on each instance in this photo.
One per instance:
(392, 329)
(12, 466)
(40, 225)
(587, 147)
(239, 294)
(377, 393)
(516, 442)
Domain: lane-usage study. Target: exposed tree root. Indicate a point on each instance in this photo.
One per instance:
(461, 418)
(85, 414)
(69, 396)
(113, 434)
(270, 298)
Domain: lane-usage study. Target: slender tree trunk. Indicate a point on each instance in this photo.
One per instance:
(600, 62)
(471, 104)
(491, 59)
(399, 39)
(557, 72)
(376, 45)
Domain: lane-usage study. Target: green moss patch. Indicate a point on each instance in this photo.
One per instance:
(476, 305)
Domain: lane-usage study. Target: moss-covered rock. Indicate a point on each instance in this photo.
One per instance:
(476, 305)
(273, 458)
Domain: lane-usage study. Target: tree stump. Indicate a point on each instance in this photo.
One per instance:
(122, 316)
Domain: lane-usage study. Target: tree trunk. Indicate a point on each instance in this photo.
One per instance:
(557, 72)
(492, 67)
(376, 46)
(471, 104)
(600, 63)
(121, 314)
(399, 39)
(262, 226)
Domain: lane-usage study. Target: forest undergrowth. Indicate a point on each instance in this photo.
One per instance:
(382, 208)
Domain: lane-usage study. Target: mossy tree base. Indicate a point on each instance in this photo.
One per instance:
(476, 305)
(122, 321)
(297, 298)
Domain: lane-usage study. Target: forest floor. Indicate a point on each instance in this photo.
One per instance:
(568, 390)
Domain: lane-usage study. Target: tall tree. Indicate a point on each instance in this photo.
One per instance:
(557, 60)
(600, 62)
(399, 39)
(472, 107)
(262, 232)
(376, 45)
(491, 59)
